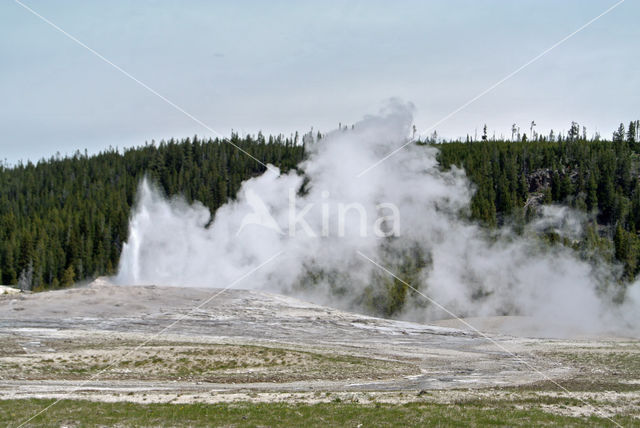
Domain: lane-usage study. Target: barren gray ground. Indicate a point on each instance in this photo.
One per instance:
(146, 344)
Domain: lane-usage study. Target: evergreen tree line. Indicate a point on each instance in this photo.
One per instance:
(512, 178)
(65, 219)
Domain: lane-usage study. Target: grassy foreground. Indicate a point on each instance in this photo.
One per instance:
(87, 413)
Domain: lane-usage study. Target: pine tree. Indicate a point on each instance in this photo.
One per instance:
(592, 193)
(631, 135)
(618, 136)
(68, 277)
(574, 131)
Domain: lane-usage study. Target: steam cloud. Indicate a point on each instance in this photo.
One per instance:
(460, 265)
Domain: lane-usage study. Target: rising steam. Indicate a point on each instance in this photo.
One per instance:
(451, 260)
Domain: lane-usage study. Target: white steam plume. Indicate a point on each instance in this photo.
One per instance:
(458, 264)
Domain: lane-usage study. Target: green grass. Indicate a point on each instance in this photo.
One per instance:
(600, 370)
(90, 414)
(195, 362)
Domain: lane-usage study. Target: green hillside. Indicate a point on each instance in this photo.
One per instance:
(65, 219)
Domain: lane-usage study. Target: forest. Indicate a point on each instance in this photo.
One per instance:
(64, 219)
(599, 177)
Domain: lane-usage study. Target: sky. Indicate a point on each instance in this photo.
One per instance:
(282, 66)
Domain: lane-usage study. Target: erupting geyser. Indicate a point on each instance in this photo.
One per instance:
(412, 221)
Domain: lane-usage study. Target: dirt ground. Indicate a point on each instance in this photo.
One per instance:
(153, 344)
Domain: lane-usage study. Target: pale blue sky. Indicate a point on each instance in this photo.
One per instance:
(289, 65)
